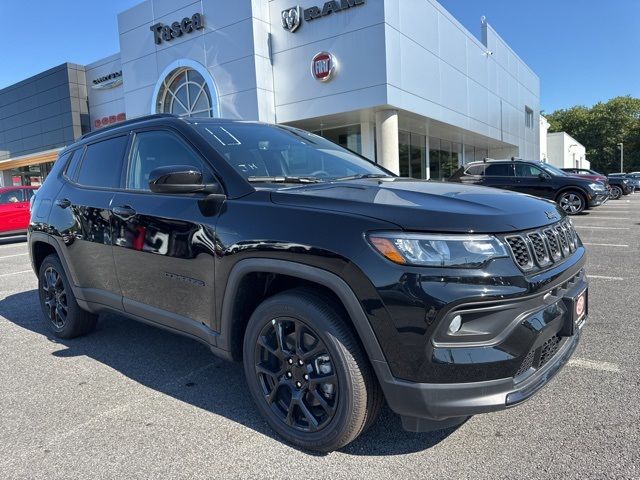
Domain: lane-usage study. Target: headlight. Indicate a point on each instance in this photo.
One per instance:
(434, 250)
(596, 186)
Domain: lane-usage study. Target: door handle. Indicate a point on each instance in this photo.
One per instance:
(124, 212)
(63, 203)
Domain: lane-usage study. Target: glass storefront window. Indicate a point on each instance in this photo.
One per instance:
(413, 154)
(434, 158)
(32, 175)
(347, 137)
(444, 158)
(403, 149)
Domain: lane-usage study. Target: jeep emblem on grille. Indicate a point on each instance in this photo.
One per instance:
(551, 215)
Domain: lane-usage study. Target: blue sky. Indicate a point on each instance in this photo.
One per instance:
(584, 51)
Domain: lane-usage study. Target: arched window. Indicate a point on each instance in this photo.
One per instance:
(184, 91)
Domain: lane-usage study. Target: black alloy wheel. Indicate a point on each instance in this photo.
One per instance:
(572, 202)
(306, 370)
(64, 317)
(296, 375)
(55, 297)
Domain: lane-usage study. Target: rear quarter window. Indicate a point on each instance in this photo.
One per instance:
(475, 170)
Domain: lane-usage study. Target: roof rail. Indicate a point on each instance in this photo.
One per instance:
(128, 122)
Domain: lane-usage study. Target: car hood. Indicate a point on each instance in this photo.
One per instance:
(426, 206)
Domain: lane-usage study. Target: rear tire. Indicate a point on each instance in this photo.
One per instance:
(293, 341)
(63, 315)
(572, 202)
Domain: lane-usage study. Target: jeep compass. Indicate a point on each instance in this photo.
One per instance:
(338, 285)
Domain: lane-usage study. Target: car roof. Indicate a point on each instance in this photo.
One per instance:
(493, 160)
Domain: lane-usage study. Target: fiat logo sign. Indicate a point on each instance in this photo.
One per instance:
(324, 66)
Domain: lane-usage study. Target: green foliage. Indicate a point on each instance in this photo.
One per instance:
(600, 129)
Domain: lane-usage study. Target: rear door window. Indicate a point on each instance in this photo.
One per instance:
(499, 170)
(102, 163)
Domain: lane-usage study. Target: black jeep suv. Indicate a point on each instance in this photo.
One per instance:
(572, 193)
(336, 283)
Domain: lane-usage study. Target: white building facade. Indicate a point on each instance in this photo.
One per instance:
(544, 130)
(564, 151)
(401, 82)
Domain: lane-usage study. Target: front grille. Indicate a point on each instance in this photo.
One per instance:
(520, 252)
(539, 249)
(549, 349)
(543, 247)
(545, 353)
(554, 245)
(527, 363)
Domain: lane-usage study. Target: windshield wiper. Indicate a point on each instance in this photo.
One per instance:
(282, 179)
(363, 175)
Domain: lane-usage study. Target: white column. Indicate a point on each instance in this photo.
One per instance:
(387, 140)
(428, 167)
(367, 138)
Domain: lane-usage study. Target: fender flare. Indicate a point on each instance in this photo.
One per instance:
(313, 274)
(572, 187)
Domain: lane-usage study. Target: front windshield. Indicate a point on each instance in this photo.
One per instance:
(553, 170)
(261, 152)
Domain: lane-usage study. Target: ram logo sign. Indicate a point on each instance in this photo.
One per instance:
(292, 17)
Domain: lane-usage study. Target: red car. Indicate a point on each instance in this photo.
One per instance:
(14, 209)
(586, 173)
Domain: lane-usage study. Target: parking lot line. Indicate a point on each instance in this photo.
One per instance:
(14, 273)
(604, 277)
(604, 228)
(594, 365)
(16, 255)
(609, 218)
(605, 245)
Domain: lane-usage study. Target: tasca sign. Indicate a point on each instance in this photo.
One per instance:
(292, 17)
(176, 29)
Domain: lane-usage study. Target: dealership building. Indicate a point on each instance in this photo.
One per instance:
(401, 82)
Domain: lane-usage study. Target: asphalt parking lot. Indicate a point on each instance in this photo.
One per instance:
(131, 401)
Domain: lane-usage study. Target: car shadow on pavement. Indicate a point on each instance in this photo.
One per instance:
(186, 370)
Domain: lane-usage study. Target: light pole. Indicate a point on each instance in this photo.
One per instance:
(621, 145)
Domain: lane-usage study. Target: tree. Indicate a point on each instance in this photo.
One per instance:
(601, 128)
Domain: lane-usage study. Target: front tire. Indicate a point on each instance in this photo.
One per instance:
(615, 193)
(64, 317)
(307, 373)
(572, 202)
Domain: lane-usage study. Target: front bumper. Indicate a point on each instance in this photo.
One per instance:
(598, 199)
(425, 406)
(428, 406)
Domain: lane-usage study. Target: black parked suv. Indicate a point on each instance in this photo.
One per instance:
(632, 178)
(336, 283)
(572, 193)
(619, 186)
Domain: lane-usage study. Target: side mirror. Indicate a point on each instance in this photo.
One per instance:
(180, 179)
(544, 176)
